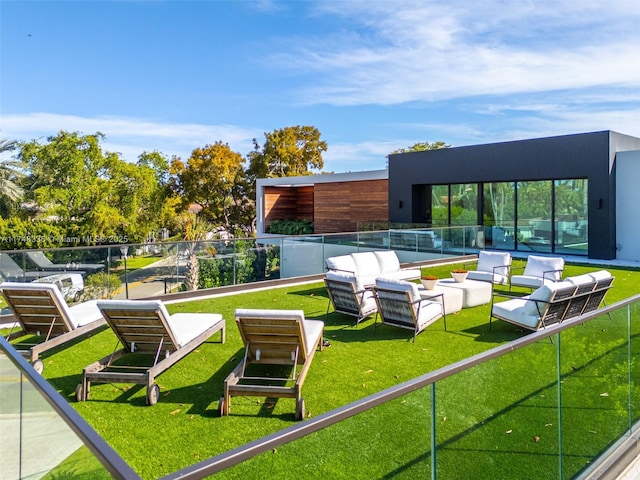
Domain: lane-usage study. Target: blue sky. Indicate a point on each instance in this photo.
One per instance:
(372, 76)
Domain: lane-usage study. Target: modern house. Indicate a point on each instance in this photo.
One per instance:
(570, 194)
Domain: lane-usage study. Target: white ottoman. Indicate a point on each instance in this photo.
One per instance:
(452, 297)
(474, 292)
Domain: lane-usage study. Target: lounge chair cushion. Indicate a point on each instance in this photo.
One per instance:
(400, 285)
(542, 266)
(78, 315)
(184, 326)
(312, 329)
(84, 313)
(343, 263)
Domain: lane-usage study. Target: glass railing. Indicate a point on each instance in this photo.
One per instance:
(42, 436)
(550, 404)
(154, 269)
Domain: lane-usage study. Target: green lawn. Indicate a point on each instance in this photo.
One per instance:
(498, 420)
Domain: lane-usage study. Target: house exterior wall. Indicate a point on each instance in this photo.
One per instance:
(341, 206)
(627, 168)
(365, 194)
(588, 155)
(288, 203)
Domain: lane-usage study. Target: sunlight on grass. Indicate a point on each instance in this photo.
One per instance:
(475, 409)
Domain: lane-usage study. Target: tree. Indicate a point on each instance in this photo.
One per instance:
(96, 196)
(421, 147)
(195, 229)
(10, 175)
(66, 177)
(288, 152)
(213, 178)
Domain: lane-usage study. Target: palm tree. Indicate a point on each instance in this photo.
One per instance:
(10, 191)
(195, 229)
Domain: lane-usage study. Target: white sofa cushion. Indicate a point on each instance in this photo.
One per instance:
(600, 275)
(537, 266)
(387, 261)
(543, 294)
(366, 264)
(514, 311)
(580, 279)
(344, 263)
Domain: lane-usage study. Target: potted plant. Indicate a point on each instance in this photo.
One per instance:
(459, 275)
(429, 281)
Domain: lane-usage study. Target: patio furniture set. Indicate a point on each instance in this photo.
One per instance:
(396, 300)
(356, 286)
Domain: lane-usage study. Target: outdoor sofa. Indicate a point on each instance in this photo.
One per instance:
(368, 266)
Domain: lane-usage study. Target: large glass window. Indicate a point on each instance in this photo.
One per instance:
(571, 216)
(534, 216)
(534, 229)
(498, 215)
(464, 204)
(440, 205)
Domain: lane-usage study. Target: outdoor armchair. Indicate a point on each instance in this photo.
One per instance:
(349, 296)
(493, 267)
(400, 305)
(539, 271)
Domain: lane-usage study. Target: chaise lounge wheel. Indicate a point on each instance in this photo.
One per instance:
(153, 393)
(38, 365)
(300, 409)
(222, 407)
(79, 393)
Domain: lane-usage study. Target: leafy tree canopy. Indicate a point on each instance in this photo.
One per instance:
(287, 152)
(421, 147)
(213, 178)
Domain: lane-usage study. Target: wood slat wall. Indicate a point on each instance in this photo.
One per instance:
(338, 207)
(291, 203)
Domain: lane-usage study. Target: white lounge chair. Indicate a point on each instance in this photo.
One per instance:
(400, 305)
(273, 337)
(144, 327)
(493, 267)
(539, 271)
(348, 295)
(41, 310)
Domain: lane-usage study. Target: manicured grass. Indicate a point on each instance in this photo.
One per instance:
(488, 418)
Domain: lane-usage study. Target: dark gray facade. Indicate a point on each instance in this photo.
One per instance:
(589, 155)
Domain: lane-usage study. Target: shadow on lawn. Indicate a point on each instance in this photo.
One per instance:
(488, 428)
(198, 396)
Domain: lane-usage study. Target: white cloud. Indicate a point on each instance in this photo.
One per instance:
(425, 51)
(130, 136)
